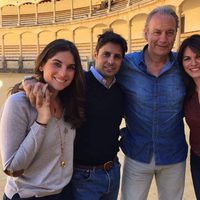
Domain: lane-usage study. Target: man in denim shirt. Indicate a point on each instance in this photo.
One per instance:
(153, 140)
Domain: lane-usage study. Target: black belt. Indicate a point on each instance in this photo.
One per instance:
(106, 166)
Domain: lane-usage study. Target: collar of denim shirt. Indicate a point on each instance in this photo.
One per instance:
(167, 66)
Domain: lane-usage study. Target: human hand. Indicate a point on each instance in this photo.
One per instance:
(42, 104)
(31, 88)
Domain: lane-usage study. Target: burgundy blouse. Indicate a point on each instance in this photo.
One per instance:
(192, 115)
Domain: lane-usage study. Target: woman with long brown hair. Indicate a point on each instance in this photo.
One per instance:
(37, 142)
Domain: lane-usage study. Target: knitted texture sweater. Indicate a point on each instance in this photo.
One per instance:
(24, 144)
(97, 139)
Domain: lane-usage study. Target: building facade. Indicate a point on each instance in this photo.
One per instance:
(28, 25)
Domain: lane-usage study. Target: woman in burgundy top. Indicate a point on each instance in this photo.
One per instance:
(189, 60)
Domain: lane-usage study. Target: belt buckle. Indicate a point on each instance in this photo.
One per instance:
(108, 165)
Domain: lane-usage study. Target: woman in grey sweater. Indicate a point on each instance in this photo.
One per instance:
(37, 142)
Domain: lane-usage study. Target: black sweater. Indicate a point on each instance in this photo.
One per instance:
(97, 139)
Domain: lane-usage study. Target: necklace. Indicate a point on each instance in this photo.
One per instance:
(56, 110)
(62, 161)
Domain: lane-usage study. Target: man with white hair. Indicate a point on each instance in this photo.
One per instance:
(154, 142)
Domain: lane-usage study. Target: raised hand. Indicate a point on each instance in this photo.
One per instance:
(42, 103)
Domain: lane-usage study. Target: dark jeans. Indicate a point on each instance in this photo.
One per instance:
(64, 195)
(195, 170)
(96, 184)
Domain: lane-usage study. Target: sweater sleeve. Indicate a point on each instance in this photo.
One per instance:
(20, 136)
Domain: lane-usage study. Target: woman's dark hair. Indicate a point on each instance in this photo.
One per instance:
(193, 42)
(72, 97)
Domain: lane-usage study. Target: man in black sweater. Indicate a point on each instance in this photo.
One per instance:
(96, 167)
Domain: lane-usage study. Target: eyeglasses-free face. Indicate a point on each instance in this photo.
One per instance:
(59, 70)
(191, 63)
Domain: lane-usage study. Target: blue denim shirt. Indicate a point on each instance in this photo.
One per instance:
(153, 111)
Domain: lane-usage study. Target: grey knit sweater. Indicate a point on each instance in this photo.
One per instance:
(26, 145)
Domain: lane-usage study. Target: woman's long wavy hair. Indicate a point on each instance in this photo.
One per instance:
(72, 97)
